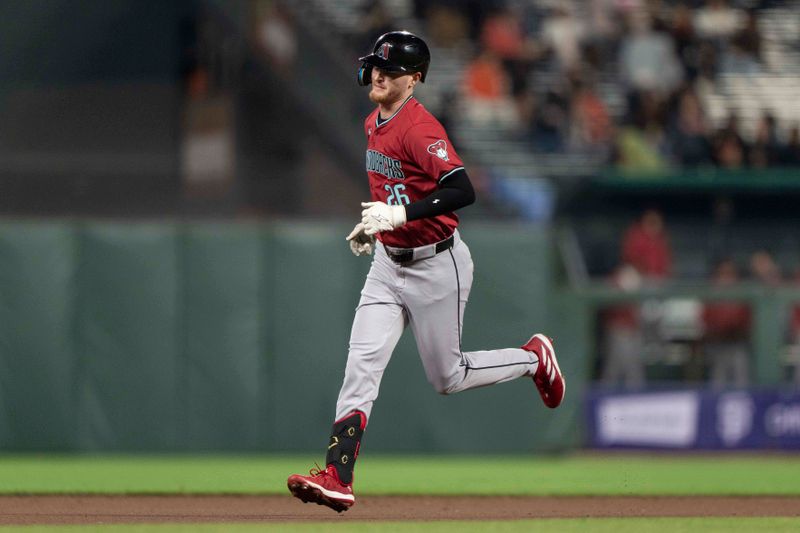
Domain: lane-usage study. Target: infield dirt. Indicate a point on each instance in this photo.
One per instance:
(253, 509)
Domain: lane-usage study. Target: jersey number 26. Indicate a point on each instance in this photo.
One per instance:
(396, 196)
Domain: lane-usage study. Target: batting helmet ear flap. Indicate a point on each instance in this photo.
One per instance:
(365, 74)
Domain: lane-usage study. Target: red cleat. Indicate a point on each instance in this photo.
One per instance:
(323, 488)
(548, 378)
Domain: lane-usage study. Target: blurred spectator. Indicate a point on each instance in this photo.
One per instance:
(375, 21)
(790, 154)
(623, 343)
(193, 73)
(207, 63)
(764, 269)
(562, 32)
(447, 26)
(690, 142)
(502, 33)
(485, 79)
(766, 150)
(707, 63)
(276, 35)
(730, 150)
(647, 58)
(549, 118)
(795, 319)
(686, 41)
(591, 123)
(794, 332)
(732, 127)
(717, 20)
(635, 151)
(727, 328)
(604, 16)
(748, 39)
(640, 144)
(474, 11)
(645, 246)
(722, 235)
(736, 60)
(486, 91)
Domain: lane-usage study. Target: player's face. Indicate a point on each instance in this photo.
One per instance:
(390, 87)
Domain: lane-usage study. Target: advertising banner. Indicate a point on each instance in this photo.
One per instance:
(694, 419)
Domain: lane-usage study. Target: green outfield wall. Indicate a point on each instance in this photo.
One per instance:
(233, 336)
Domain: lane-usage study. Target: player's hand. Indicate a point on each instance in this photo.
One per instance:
(377, 216)
(360, 242)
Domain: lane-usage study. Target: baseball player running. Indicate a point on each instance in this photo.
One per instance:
(421, 273)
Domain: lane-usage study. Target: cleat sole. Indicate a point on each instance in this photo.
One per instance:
(308, 494)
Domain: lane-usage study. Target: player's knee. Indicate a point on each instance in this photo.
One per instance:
(446, 388)
(440, 386)
(445, 381)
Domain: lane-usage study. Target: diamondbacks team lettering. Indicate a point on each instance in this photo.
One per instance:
(391, 168)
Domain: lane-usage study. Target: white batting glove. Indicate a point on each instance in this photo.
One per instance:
(360, 242)
(377, 216)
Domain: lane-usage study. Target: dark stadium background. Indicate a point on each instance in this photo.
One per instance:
(177, 178)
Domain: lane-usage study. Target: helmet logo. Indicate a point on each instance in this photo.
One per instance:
(383, 51)
(439, 149)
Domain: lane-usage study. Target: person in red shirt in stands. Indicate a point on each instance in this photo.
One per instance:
(646, 257)
(794, 321)
(794, 329)
(727, 328)
(623, 343)
(646, 246)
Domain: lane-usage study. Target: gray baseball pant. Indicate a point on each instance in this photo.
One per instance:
(429, 295)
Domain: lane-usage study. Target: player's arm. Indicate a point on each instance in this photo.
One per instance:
(455, 191)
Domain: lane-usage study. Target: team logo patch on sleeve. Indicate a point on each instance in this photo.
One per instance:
(439, 149)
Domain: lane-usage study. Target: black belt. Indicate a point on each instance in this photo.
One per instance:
(404, 255)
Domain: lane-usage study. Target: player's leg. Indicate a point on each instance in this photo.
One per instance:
(437, 290)
(333, 486)
(378, 325)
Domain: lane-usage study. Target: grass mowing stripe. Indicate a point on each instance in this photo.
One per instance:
(579, 475)
(596, 525)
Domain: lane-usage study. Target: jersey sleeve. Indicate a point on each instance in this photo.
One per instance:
(427, 144)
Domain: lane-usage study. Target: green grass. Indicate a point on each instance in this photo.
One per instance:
(580, 475)
(597, 525)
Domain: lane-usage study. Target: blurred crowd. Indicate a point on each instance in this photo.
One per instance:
(625, 80)
(716, 333)
(544, 68)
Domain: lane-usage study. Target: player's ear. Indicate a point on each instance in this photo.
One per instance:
(415, 78)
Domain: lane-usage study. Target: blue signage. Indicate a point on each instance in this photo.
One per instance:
(694, 419)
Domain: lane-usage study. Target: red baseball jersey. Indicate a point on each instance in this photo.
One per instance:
(408, 156)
